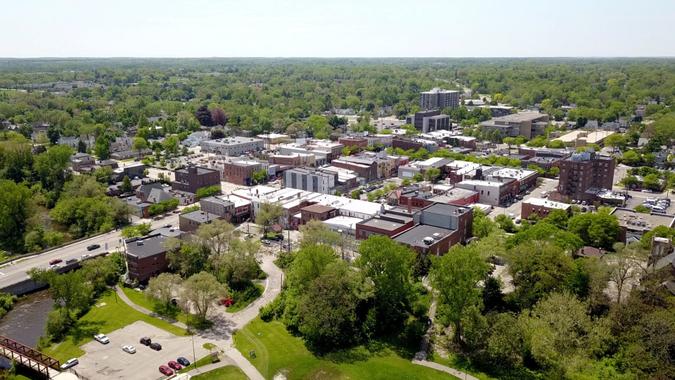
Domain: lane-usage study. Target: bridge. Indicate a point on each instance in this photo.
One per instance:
(29, 357)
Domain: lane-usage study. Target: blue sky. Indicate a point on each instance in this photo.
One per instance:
(345, 28)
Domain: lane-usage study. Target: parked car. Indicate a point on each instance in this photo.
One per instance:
(265, 242)
(70, 363)
(165, 370)
(86, 256)
(129, 349)
(156, 346)
(146, 341)
(54, 266)
(175, 365)
(101, 338)
(93, 247)
(71, 261)
(184, 362)
(55, 261)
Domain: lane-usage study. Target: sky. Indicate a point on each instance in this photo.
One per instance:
(344, 28)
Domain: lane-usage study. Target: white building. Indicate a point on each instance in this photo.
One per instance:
(232, 146)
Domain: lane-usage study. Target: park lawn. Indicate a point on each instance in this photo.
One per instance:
(143, 300)
(107, 315)
(229, 372)
(276, 351)
(456, 362)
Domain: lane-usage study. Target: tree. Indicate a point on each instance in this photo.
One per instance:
(505, 223)
(543, 230)
(622, 268)
(432, 174)
(316, 232)
(482, 225)
(259, 176)
(538, 268)
(53, 134)
(455, 276)
(187, 259)
(137, 230)
(103, 174)
(81, 146)
(319, 127)
(217, 236)
(329, 310)
(599, 229)
(388, 265)
(139, 145)
(14, 213)
(268, 214)
(171, 144)
(204, 117)
(208, 191)
(200, 291)
(126, 185)
(238, 266)
(51, 167)
(652, 182)
(162, 288)
(218, 116)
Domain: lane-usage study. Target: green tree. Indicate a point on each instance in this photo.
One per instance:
(482, 225)
(171, 144)
(268, 214)
(432, 174)
(388, 265)
(259, 176)
(200, 291)
(596, 229)
(318, 126)
(126, 185)
(14, 213)
(139, 145)
(316, 232)
(50, 167)
(161, 289)
(456, 276)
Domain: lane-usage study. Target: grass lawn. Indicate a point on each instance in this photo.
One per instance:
(141, 299)
(278, 351)
(108, 314)
(457, 362)
(229, 372)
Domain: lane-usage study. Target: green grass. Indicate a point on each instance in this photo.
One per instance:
(278, 351)
(229, 372)
(456, 362)
(107, 315)
(143, 300)
(206, 360)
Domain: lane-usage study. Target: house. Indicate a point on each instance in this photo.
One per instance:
(189, 222)
(80, 161)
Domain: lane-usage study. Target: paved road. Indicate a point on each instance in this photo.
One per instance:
(16, 271)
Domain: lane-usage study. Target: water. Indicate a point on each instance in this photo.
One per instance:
(26, 322)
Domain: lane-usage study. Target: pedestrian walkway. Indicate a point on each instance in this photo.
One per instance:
(458, 374)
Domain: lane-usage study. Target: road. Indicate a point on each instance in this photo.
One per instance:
(16, 271)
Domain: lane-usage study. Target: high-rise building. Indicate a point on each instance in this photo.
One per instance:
(437, 99)
(583, 171)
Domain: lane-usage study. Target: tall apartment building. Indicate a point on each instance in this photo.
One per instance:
(311, 180)
(583, 171)
(437, 99)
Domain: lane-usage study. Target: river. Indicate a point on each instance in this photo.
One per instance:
(26, 321)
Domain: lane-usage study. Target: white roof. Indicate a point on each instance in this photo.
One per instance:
(512, 173)
(346, 222)
(478, 182)
(548, 204)
(589, 137)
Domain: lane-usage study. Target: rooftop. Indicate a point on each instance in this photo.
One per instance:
(511, 173)
(318, 209)
(636, 221)
(416, 235)
(478, 182)
(233, 140)
(446, 209)
(588, 137)
(200, 216)
(144, 247)
(519, 117)
(548, 204)
(438, 90)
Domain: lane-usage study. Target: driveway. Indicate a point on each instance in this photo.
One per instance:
(110, 362)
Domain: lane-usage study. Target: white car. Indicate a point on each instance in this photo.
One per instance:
(101, 338)
(129, 349)
(70, 363)
(54, 266)
(86, 256)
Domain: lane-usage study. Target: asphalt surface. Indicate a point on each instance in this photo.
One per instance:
(16, 271)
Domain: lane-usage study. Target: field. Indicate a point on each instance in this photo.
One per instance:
(141, 299)
(228, 372)
(277, 351)
(108, 314)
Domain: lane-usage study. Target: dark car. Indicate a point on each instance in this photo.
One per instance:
(174, 365)
(184, 362)
(146, 341)
(55, 261)
(156, 346)
(93, 247)
(165, 370)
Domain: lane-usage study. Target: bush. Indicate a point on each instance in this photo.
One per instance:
(58, 323)
(204, 192)
(273, 310)
(6, 303)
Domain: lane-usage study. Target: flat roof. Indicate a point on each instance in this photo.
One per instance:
(511, 173)
(478, 182)
(446, 209)
(382, 224)
(589, 137)
(415, 236)
(636, 221)
(199, 216)
(348, 222)
(146, 246)
(318, 208)
(548, 204)
(520, 117)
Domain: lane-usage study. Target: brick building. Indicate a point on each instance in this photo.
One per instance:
(583, 171)
(193, 178)
(146, 257)
(240, 172)
(317, 212)
(542, 207)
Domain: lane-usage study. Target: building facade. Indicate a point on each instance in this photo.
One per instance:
(438, 98)
(193, 178)
(232, 146)
(583, 171)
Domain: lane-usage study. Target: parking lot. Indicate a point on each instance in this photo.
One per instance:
(110, 362)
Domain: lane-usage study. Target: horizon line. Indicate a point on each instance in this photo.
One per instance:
(349, 57)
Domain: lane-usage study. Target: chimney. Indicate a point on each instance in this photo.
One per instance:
(409, 205)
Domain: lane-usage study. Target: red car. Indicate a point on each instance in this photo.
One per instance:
(175, 365)
(55, 261)
(227, 302)
(165, 370)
